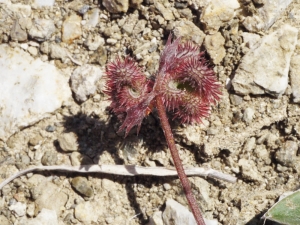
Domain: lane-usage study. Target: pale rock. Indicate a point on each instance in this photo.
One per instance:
(187, 30)
(93, 41)
(83, 81)
(68, 142)
(214, 45)
(165, 12)
(23, 11)
(295, 78)
(3, 219)
(43, 3)
(265, 69)
(42, 29)
(47, 195)
(248, 115)
(177, 214)
(217, 13)
(116, 6)
(140, 26)
(250, 40)
(18, 209)
(156, 219)
(85, 212)
(45, 217)
(31, 92)
(287, 154)
(32, 50)
(17, 33)
(58, 52)
(71, 28)
(7, 2)
(249, 170)
(92, 18)
(130, 23)
(266, 15)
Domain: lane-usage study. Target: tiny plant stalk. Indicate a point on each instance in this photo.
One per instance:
(184, 85)
(177, 161)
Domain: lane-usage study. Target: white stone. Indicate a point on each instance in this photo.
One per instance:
(177, 214)
(45, 217)
(83, 81)
(93, 17)
(28, 93)
(248, 115)
(217, 13)
(156, 219)
(85, 212)
(41, 3)
(265, 69)
(42, 29)
(71, 28)
(295, 78)
(266, 15)
(19, 209)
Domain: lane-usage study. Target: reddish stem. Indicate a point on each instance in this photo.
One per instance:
(177, 161)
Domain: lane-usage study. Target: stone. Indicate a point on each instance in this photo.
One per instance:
(47, 195)
(18, 209)
(177, 214)
(83, 186)
(43, 3)
(214, 45)
(32, 50)
(71, 28)
(85, 212)
(58, 52)
(92, 18)
(287, 154)
(32, 93)
(187, 30)
(248, 115)
(217, 13)
(83, 81)
(250, 40)
(140, 26)
(266, 15)
(265, 68)
(17, 33)
(165, 12)
(295, 78)
(156, 219)
(68, 142)
(49, 158)
(93, 41)
(42, 29)
(4, 220)
(116, 6)
(45, 217)
(249, 170)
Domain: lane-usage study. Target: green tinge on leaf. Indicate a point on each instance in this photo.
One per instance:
(286, 211)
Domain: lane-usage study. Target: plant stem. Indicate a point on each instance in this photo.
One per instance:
(177, 161)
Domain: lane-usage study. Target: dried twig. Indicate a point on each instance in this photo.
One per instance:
(127, 170)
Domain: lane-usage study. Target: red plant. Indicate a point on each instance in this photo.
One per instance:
(184, 84)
